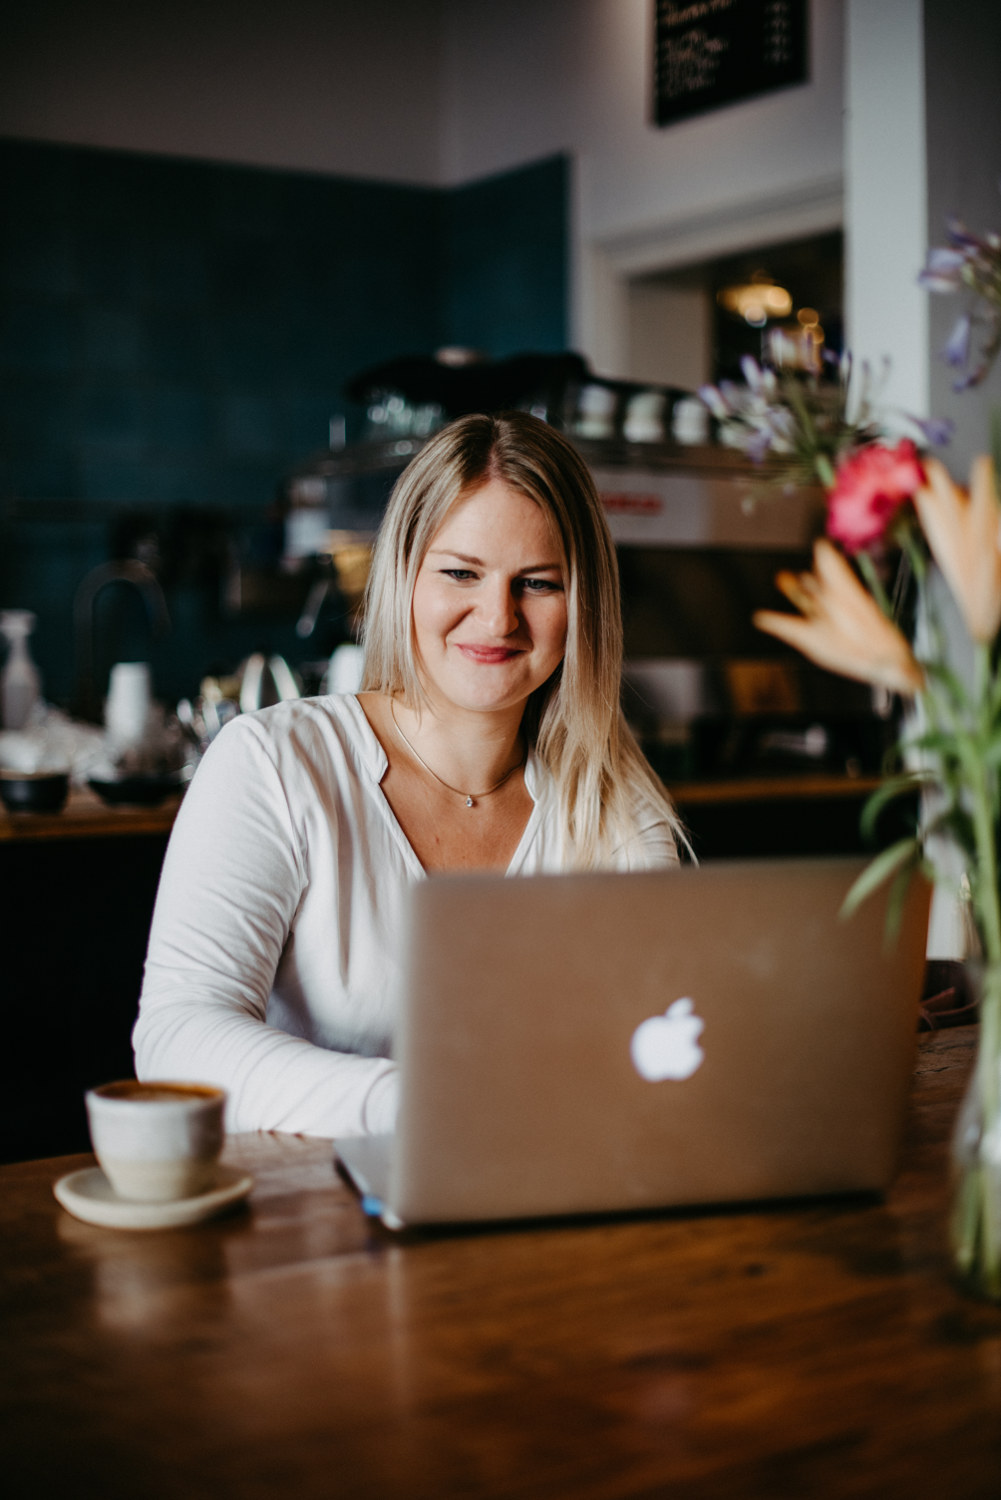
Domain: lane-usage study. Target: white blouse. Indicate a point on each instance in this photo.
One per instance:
(273, 963)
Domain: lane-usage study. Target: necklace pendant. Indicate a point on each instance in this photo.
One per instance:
(469, 800)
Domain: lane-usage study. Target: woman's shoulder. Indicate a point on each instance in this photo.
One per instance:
(331, 731)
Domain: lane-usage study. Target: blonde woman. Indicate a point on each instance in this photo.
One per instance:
(488, 736)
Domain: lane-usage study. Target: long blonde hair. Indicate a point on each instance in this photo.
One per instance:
(574, 720)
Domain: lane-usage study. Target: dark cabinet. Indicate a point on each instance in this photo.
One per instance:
(74, 918)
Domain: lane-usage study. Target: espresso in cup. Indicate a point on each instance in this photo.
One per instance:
(157, 1141)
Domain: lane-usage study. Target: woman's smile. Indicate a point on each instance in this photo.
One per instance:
(488, 655)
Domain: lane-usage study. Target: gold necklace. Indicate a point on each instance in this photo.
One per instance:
(471, 797)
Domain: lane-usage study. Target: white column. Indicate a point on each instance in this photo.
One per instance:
(886, 195)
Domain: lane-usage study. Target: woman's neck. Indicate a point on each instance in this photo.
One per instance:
(465, 748)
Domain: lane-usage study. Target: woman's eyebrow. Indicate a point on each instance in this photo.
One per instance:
(450, 552)
(476, 562)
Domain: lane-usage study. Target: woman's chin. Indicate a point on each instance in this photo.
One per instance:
(479, 696)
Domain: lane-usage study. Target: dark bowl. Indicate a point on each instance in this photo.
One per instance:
(136, 791)
(35, 792)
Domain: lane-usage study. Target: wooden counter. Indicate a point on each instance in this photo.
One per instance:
(808, 786)
(85, 816)
(816, 1350)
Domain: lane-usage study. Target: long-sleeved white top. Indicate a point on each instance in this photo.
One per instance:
(273, 962)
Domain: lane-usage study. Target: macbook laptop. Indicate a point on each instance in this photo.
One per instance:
(593, 1043)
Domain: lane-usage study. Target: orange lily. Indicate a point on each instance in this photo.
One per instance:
(841, 627)
(964, 533)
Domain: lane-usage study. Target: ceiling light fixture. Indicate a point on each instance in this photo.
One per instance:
(756, 301)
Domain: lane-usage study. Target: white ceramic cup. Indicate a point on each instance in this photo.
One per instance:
(155, 1141)
(127, 706)
(690, 421)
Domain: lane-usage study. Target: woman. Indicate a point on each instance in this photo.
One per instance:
(488, 735)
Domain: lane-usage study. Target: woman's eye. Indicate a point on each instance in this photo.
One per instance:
(541, 586)
(459, 574)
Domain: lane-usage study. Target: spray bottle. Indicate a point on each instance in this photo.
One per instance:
(20, 684)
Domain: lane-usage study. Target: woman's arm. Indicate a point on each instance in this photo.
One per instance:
(232, 883)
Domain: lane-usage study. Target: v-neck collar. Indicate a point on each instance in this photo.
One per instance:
(375, 763)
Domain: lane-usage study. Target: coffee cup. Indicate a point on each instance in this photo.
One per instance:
(157, 1141)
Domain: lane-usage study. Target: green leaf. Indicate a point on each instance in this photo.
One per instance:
(939, 741)
(898, 897)
(900, 786)
(939, 673)
(994, 699)
(904, 852)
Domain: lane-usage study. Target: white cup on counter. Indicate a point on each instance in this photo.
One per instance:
(127, 706)
(690, 421)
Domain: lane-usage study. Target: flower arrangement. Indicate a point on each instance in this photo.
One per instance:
(804, 422)
(970, 263)
(890, 504)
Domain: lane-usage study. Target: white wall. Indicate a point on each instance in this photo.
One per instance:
(445, 91)
(333, 86)
(887, 196)
(524, 78)
(670, 332)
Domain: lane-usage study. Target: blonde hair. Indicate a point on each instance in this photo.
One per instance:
(574, 720)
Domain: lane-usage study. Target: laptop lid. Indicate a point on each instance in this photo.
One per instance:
(603, 1042)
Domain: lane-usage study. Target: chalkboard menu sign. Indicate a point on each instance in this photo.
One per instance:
(714, 52)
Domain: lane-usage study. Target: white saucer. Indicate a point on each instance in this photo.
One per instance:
(88, 1195)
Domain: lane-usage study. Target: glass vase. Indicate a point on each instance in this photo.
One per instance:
(975, 1222)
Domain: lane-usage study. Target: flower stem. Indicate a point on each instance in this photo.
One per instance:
(983, 811)
(981, 1223)
(825, 470)
(875, 584)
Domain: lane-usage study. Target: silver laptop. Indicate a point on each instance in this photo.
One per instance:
(593, 1043)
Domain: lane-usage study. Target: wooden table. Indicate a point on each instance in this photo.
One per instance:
(293, 1349)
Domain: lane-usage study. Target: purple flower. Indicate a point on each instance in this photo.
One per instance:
(712, 398)
(944, 260)
(972, 263)
(943, 271)
(936, 431)
(758, 445)
(960, 235)
(957, 350)
(971, 378)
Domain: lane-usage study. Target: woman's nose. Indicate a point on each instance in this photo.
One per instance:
(498, 609)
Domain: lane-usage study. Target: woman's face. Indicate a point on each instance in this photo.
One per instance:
(489, 609)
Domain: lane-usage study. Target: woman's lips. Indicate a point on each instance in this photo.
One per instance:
(488, 655)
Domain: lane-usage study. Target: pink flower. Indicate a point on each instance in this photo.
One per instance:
(870, 487)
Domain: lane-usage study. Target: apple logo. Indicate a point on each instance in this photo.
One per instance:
(667, 1046)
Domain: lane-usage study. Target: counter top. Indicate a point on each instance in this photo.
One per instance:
(802, 787)
(86, 816)
(817, 1349)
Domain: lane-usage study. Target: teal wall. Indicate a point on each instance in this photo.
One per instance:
(175, 335)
